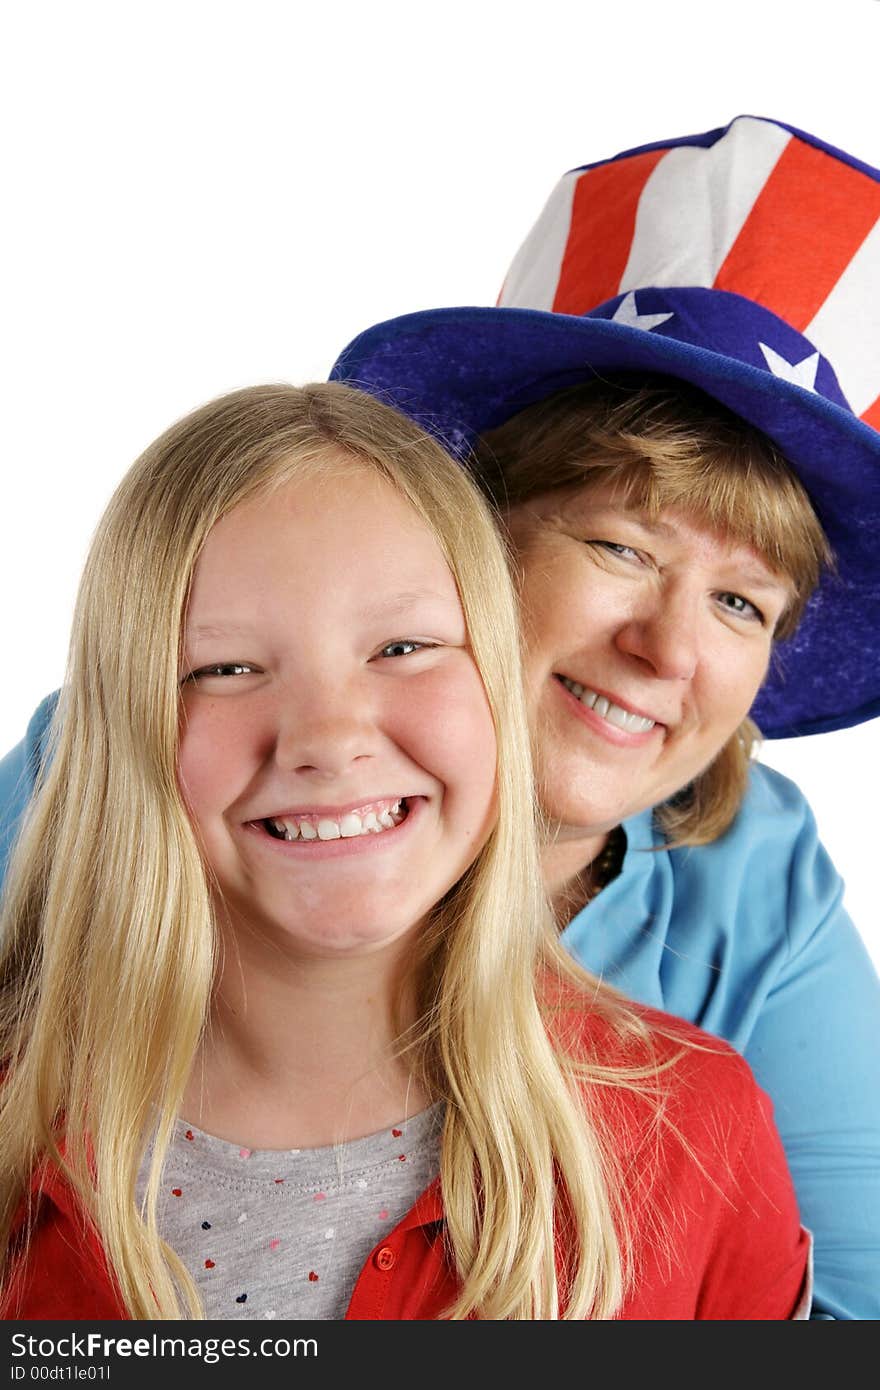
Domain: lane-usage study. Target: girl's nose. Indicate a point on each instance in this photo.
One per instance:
(323, 734)
(664, 634)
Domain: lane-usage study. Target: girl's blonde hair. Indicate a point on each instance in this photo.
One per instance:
(110, 943)
(665, 445)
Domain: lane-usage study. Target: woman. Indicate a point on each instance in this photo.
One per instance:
(268, 1021)
(666, 524)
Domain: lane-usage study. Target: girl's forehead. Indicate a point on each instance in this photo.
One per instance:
(347, 503)
(318, 533)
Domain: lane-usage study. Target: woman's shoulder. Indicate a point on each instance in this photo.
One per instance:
(774, 818)
(19, 769)
(750, 875)
(770, 793)
(768, 868)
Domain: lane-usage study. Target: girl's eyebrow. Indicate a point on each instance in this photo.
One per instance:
(216, 630)
(398, 603)
(373, 608)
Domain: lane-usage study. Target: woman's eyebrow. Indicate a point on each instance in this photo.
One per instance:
(759, 578)
(633, 517)
(756, 575)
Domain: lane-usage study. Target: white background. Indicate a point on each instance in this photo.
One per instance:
(199, 196)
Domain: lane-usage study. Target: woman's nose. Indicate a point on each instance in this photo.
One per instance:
(664, 634)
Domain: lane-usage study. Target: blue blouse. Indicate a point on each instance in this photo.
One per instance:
(748, 938)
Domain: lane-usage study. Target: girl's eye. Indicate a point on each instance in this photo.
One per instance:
(222, 668)
(404, 647)
(735, 603)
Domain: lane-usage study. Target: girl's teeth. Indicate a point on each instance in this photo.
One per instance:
(606, 709)
(348, 827)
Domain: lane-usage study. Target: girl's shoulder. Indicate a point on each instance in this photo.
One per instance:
(713, 1213)
(646, 1069)
(703, 1172)
(58, 1270)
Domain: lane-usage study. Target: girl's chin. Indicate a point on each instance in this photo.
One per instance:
(332, 931)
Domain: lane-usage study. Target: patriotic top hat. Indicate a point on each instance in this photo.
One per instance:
(745, 260)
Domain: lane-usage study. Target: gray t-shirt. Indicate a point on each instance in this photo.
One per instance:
(285, 1233)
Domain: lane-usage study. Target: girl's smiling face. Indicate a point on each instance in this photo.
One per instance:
(337, 751)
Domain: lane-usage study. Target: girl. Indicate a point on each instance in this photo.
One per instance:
(287, 1030)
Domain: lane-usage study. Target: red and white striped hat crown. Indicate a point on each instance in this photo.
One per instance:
(758, 209)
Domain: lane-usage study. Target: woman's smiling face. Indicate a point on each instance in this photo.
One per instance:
(646, 643)
(337, 751)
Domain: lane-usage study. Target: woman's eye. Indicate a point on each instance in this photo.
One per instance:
(735, 603)
(626, 552)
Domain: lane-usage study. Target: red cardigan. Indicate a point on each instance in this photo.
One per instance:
(716, 1230)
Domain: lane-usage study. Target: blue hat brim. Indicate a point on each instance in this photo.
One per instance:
(462, 371)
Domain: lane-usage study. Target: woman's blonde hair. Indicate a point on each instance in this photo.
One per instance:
(110, 940)
(663, 444)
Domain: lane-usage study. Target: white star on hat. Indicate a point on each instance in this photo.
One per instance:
(798, 373)
(627, 313)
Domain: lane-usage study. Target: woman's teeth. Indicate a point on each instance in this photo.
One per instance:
(347, 827)
(615, 714)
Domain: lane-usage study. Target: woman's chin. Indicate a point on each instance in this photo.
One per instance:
(586, 802)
